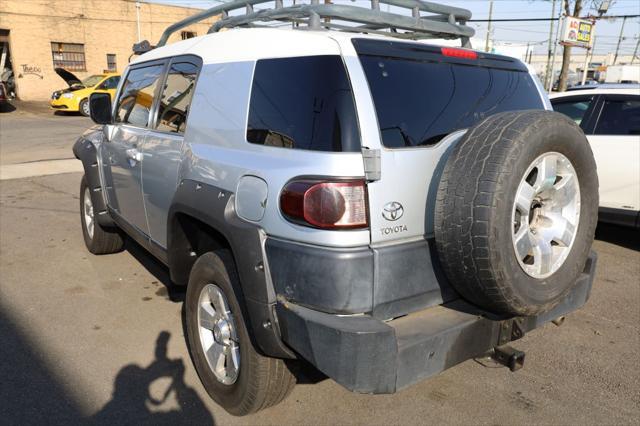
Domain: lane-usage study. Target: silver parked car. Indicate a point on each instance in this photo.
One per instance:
(380, 207)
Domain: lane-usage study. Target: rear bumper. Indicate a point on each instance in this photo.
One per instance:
(367, 355)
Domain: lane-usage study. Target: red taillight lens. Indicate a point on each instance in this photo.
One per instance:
(459, 53)
(328, 205)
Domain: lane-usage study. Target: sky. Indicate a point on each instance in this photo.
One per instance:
(606, 32)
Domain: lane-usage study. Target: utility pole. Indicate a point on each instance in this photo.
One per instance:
(553, 14)
(585, 68)
(615, 57)
(555, 50)
(603, 8)
(635, 52)
(592, 49)
(486, 44)
(327, 20)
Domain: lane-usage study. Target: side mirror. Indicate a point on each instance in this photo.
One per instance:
(100, 108)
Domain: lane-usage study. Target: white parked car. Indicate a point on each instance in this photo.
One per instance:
(610, 117)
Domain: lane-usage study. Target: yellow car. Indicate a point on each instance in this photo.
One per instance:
(76, 96)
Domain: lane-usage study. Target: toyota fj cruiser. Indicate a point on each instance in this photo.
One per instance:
(341, 193)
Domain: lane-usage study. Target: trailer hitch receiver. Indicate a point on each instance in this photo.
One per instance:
(508, 356)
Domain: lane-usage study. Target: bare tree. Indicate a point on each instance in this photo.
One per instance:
(566, 53)
(578, 5)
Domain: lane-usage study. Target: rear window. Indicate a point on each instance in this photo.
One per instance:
(421, 96)
(303, 103)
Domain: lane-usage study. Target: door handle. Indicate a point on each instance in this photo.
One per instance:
(134, 154)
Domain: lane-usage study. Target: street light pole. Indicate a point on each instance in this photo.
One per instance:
(585, 68)
(486, 44)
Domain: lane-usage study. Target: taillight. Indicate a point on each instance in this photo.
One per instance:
(327, 205)
(459, 53)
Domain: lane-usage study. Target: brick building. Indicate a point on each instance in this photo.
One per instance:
(83, 36)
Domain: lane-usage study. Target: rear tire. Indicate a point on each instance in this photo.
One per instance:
(98, 240)
(480, 221)
(259, 381)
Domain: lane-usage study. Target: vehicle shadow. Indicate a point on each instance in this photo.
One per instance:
(7, 107)
(67, 113)
(304, 372)
(173, 292)
(132, 401)
(619, 235)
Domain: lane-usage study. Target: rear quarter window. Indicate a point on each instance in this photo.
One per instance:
(303, 103)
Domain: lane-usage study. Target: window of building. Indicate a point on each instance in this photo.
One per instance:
(111, 62)
(137, 95)
(176, 97)
(188, 34)
(303, 103)
(69, 56)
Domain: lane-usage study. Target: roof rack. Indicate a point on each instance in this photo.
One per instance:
(441, 21)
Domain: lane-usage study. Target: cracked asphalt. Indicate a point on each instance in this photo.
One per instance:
(100, 339)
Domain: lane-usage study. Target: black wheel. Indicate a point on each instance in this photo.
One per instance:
(236, 376)
(84, 107)
(516, 211)
(98, 240)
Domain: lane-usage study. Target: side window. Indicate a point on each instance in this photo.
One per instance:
(110, 83)
(137, 95)
(303, 103)
(176, 97)
(619, 117)
(574, 108)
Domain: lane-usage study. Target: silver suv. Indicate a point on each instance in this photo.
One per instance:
(377, 206)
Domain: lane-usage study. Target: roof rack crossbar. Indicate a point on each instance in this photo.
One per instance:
(441, 21)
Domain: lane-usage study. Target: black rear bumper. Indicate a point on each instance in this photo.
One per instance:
(367, 355)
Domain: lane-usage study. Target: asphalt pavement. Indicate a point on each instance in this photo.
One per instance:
(100, 339)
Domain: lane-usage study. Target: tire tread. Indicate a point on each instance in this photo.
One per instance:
(471, 186)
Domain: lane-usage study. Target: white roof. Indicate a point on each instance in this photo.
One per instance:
(250, 44)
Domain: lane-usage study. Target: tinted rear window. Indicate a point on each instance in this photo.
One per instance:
(421, 98)
(303, 103)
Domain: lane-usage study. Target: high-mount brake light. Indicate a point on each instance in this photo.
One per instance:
(326, 205)
(459, 53)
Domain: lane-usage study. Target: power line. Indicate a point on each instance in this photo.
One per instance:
(545, 19)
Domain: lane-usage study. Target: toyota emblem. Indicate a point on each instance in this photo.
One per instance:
(392, 211)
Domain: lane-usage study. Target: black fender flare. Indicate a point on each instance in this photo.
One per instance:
(85, 151)
(215, 208)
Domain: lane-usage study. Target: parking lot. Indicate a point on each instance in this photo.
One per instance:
(101, 337)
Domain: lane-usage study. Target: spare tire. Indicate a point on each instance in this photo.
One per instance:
(516, 211)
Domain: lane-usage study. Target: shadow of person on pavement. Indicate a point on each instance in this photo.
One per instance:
(132, 401)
